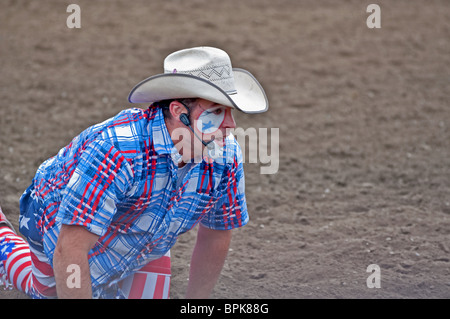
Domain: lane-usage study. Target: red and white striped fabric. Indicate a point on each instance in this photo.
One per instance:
(151, 282)
(43, 277)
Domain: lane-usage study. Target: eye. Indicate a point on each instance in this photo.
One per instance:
(216, 111)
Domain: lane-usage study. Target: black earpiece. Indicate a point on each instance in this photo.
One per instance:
(185, 119)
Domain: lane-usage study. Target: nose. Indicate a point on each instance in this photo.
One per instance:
(229, 122)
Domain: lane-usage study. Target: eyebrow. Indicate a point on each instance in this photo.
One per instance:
(212, 106)
(221, 106)
(215, 104)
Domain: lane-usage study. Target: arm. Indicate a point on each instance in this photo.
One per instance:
(74, 243)
(207, 261)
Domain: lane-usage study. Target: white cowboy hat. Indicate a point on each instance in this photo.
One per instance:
(203, 72)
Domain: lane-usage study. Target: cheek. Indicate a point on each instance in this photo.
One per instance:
(208, 123)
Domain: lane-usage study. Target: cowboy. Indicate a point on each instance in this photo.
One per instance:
(101, 216)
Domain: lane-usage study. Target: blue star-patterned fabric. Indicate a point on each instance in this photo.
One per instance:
(5, 248)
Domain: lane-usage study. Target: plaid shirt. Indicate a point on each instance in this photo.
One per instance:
(118, 180)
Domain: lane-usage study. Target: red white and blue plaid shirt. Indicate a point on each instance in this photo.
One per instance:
(118, 180)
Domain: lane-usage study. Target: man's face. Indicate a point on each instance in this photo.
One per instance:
(211, 120)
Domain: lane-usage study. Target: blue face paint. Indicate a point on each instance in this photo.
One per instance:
(210, 120)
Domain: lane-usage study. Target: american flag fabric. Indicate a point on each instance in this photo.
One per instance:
(27, 270)
(150, 282)
(118, 179)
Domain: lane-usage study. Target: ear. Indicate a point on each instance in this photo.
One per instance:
(176, 109)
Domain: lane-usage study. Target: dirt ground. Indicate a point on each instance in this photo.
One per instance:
(364, 121)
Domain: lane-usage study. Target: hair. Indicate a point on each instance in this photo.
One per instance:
(165, 105)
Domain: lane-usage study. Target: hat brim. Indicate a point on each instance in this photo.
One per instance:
(250, 96)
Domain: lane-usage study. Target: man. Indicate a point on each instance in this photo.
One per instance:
(101, 216)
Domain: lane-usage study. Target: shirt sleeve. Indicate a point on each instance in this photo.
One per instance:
(98, 183)
(230, 211)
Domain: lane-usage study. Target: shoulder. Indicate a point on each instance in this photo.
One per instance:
(126, 131)
(126, 123)
(121, 125)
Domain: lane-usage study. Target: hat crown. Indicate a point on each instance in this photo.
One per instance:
(211, 64)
